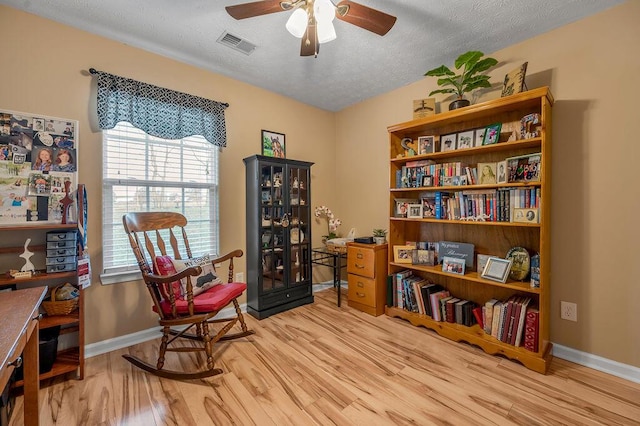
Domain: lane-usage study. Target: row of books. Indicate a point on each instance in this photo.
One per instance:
(416, 294)
(413, 174)
(493, 205)
(512, 321)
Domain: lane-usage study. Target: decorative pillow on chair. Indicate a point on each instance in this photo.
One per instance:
(164, 266)
(207, 278)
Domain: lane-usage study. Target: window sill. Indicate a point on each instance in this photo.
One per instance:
(120, 277)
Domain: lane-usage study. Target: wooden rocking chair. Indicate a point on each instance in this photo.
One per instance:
(172, 291)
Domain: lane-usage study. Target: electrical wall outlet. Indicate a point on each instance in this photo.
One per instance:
(239, 277)
(569, 311)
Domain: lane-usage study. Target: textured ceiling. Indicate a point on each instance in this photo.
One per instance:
(356, 66)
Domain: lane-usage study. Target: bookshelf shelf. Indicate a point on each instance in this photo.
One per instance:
(491, 238)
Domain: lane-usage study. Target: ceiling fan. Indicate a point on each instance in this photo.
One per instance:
(311, 20)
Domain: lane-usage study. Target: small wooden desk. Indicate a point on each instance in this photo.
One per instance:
(19, 335)
(325, 257)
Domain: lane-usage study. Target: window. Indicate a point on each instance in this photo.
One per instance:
(146, 173)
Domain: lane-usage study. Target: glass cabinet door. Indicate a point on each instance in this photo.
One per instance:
(271, 230)
(299, 226)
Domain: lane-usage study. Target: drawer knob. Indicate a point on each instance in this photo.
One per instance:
(359, 256)
(360, 284)
(17, 363)
(359, 266)
(359, 294)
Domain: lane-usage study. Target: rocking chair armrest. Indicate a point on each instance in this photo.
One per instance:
(164, 279)
(230, 255)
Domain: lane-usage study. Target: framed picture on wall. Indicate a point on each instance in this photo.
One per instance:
(273, 144)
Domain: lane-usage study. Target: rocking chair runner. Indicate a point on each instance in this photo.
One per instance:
(175, 303)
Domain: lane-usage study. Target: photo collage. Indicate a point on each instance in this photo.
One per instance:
(38, 154)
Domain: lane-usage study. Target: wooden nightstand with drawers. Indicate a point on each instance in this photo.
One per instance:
(367, 269)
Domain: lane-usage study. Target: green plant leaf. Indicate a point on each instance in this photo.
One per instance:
(482, 65)
(439, 72)
(449, 90)
(476, 85)
(468, 59)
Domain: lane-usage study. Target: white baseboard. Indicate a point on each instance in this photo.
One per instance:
(120, 342)
(627, 372)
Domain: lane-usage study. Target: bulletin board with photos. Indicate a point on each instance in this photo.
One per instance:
(38, 154)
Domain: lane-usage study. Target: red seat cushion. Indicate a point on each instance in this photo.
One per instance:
(211, 300)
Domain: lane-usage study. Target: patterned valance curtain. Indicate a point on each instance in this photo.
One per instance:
(159, 112)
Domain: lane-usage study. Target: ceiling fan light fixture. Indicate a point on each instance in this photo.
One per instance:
(297, 23)
(326, 32)
(324, 11)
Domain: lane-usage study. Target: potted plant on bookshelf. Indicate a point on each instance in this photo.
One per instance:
(470, 78)
(379, 235)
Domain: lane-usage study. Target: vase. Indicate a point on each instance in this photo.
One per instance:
(379, 240)
(459, 103)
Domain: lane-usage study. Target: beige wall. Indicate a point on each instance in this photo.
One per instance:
(592, 69)
(589, 66)
(44, 72)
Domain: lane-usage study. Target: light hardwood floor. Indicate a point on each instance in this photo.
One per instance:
(320, 364)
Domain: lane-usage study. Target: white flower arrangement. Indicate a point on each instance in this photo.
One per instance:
(332, 222)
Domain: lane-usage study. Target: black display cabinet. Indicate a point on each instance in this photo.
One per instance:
(278, 234)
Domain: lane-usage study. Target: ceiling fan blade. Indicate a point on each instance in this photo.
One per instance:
(256, 8)
(310, 45)
(365, 17)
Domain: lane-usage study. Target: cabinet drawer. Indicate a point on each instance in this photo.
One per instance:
(361, 261)
(284, 296)
(70, 244)
(61, 236)
(63, 267)
(362, 290)
(61, 252)
(59, 260)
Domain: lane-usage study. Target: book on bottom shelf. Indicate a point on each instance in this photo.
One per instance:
(531, 329)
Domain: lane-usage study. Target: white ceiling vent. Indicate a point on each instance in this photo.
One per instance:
(236, 43)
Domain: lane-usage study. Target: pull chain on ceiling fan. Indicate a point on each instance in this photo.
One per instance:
(312, 20)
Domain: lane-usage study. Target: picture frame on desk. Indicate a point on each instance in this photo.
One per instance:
(497, 269)
(453, 265)
(403, 254)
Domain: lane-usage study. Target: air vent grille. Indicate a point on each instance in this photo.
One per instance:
(236, 43)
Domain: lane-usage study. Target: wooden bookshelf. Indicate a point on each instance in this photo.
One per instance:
(488, 237)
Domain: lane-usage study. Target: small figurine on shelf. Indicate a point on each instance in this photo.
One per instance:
(26, 255)
(295, 183)
(67, 202)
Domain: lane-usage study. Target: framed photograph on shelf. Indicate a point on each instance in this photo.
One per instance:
(426, 145)
(487, 173)
(427, 180)
(524, 168)
(414, 211)
(448, 142)
(497, 269)
(514, 81)
(429, 206)
(478, 136)
(403, 254)
(502, 175)
(492, 134)
(465, 139)
(453, 265)
(402, 206)
(423, 257)
(273, 144)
